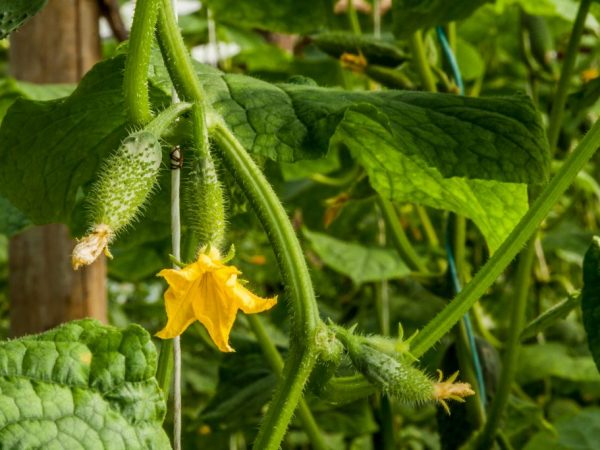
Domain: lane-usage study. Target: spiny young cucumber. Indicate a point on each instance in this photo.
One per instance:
(126, 180)
(397, 376)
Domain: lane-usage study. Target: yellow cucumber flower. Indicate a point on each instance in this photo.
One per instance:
(208, 291)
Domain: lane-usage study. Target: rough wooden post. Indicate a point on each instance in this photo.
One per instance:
(57, 46)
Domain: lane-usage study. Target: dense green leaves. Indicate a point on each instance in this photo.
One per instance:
(553, 360)
(288, 16)
(41, 169)
(441, 150)
(412, 15)
(82, 385)
(14, 13)
(376, 51)
(590, 298)
(360, 263)
(579, 431)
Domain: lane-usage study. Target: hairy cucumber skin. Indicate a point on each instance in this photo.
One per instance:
(126, 180)
(590, 298)
(374, 50)
(395, 377)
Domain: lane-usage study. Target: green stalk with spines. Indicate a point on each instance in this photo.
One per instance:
(204, 194)
(303, 350)
(135, 81)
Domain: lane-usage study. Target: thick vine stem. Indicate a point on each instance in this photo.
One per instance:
(275, 360)
(303, 349)
(305, 324)
(452, 313)
(135, 81)
(176, 56)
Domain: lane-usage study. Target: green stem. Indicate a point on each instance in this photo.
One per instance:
(164, 370)
(560, 97)
(275, 361)
(343, 390)
(513, 346)
(280, 231)
(430, 233)
(459, 245)
(417, 49)
(166, 118)
(135, 82)
(303, 350)
(176, 56)
(550, 316)
(452, 313)
(398, 236)
(475, 410)
(353, 18)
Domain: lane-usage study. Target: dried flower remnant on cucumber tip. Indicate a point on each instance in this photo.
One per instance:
(397, 376)
(126, 180)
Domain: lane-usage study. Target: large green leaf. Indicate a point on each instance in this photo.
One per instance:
(412, 15)
(579, 432)
(590, 298)
(446, 151)
(285, 16)
(82, 385)
(359, 262)
(13, 14)
(553, 360)
(49, 149)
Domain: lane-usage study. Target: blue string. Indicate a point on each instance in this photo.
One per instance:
(449, 54)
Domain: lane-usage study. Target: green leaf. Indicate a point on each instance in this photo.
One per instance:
(376, 51)
(579, 432)
(590, 298)
(42, 169)
(13, 14)
(49, 149)
(412, 15)
(449, 147)
(359, 262)
(81, 385)
(285, 16)
(553, 360)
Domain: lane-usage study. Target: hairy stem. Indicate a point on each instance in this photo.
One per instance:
(275, 361)
(417, 49)
(303, 349)
(560, 96)
(135, 82)
(452, 313)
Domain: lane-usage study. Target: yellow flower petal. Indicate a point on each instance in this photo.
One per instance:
(208, 291)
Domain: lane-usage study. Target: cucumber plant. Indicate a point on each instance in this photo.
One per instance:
(458, 185)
